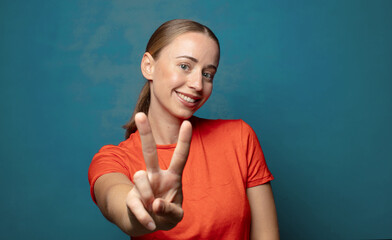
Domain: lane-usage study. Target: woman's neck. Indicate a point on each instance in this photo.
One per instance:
(165, 127)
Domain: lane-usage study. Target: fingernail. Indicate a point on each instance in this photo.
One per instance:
(151, 226)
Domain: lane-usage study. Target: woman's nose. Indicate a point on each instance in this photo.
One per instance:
(196, 81)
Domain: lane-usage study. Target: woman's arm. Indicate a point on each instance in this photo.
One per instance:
(111, 191)
(154, 200)
(264, 223)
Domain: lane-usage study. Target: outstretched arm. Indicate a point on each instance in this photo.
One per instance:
(111, 191)
(154, 201)
(264, 223)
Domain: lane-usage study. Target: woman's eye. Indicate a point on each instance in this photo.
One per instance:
(184, 66)
(207, 75)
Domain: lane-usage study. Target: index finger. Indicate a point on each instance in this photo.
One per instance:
(148, 143)
(181, 152)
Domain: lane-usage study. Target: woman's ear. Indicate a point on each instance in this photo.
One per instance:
(147, 66)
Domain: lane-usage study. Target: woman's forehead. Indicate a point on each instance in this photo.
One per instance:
(193, 44)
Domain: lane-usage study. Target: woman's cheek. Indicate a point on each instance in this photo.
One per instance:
(208, 89)
(175, 79)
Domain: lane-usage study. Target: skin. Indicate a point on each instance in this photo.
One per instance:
(154, 201)
(186, 66)
(264, 223)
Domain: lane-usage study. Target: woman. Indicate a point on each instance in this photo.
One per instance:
(178, 176)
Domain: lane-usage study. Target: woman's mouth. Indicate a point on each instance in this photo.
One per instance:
(186, 98)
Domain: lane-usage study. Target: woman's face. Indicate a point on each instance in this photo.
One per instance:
(182, 75)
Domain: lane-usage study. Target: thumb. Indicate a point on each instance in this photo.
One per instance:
(169, 210)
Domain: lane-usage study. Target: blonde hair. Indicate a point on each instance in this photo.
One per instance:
(162, 37)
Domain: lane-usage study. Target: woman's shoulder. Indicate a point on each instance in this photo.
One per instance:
(227, 126)
(133, 142)
(203, 122)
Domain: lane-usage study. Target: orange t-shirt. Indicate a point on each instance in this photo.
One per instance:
(225, 159)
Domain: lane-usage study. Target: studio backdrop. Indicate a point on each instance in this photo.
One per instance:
(313, 79)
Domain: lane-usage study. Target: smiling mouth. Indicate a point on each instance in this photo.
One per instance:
(186, 98)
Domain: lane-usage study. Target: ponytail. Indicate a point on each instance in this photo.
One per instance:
(142, 105)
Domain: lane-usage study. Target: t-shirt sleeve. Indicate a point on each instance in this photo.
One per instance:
(258, 172)
(109, 159)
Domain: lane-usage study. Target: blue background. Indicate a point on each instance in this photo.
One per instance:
(313, 78)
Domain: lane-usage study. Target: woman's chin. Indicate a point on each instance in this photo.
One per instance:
(184, 115)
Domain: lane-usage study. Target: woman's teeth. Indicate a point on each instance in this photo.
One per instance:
(188, 99)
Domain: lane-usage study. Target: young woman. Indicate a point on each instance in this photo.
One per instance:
(177, 176)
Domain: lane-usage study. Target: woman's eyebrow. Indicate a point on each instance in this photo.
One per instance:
(190, 58)
(196, 61)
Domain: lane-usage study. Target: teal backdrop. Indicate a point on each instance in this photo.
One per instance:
(313, 78)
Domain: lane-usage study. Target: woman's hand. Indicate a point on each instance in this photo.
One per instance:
(156, 198)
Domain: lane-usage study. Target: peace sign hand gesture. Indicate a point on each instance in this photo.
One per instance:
(156, 198)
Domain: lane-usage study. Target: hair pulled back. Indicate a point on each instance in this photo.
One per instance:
(162, 37)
